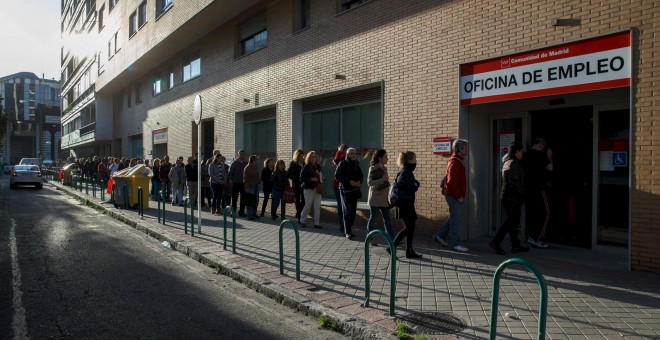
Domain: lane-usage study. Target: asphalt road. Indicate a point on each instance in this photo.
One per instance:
(67, 271)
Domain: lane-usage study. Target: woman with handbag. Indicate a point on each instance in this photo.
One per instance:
(379, 185)
(279, 183)
(266, 174)
(312, 181)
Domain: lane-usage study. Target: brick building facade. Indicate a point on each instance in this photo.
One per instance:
(335, 58)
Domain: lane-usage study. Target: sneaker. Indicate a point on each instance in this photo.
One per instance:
(350, 236)
(441, 241)
(318, 227)
(410, 254)
(460, 248)
(536, 243)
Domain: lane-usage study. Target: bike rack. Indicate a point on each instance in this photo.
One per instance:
(140, 202)
(295, 229)
(186, 203)
(233, 229)
(161, 198)
(367, 287)
(543, 303)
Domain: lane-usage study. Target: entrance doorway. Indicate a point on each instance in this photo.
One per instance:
(569, 133)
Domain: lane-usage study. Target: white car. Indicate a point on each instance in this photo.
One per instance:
(26, 175)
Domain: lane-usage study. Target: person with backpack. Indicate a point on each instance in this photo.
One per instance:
(455, 188)
(405, 186)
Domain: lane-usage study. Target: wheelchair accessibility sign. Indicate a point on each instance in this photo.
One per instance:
(619, 159)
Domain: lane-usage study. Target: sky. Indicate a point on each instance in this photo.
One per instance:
(30, 37)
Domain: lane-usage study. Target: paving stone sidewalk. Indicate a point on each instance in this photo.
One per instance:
(445, 294)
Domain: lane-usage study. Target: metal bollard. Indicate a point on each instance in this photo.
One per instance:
(233, 229)
(140, 202)
(295, 230)
(367, 287)
(94, 190)
(158, 203)
(103, 188)
(162, 196)
(543, 303)
(186, 204)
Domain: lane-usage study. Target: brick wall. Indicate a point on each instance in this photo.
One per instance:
(415, 48)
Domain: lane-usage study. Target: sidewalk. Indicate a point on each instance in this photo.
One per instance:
(443, 295)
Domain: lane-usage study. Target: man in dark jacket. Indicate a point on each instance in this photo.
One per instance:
(513, 197)
(350, 177)
(236, 179)
(191, 179)
(163, 173)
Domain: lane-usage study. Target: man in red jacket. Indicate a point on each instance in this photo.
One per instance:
(454, 191)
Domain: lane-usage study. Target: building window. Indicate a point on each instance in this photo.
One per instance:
(302, 14)
(112, 4)
(345, 5)
(132, 24)
(191, 66)
(101, 13)
(129, 101)
(142, 14)
(113, 45)
(170, 79)
(138, 94)
(252, 34)
(156, 85)
(162, 6)
(359, 126)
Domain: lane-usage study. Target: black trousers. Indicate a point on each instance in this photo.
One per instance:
(511, 223)
(537, 213)
(300, 200)
(349, 207)
(409, 216)
(263, 204)
(236, 189)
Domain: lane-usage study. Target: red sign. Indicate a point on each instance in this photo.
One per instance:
(585, 65)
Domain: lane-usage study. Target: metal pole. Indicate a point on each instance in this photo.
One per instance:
(295, 230)
(233, 228)
(367, 287)
(543, 300)
(185, 216)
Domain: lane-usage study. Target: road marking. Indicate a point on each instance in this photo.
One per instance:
(18, 323)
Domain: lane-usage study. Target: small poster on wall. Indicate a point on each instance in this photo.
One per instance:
(506, 138)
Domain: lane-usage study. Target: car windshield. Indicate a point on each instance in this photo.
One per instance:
(26, 168)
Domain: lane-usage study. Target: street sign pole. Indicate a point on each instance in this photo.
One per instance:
(197, 115)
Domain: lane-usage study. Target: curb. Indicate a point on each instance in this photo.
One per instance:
(347, 324)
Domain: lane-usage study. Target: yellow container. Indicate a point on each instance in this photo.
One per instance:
(136, 177)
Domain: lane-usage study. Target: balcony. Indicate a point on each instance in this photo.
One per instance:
(89, 128)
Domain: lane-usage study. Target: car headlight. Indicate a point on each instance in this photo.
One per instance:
(14, 174)
(39, 174)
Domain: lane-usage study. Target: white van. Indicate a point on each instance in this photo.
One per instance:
(29, 161)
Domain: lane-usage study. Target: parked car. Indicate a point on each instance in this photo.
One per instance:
(26, 175)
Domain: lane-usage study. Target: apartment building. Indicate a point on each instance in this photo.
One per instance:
(275, 76)
(32, 107)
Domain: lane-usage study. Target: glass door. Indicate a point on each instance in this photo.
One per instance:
(505, 129)
(612, 178)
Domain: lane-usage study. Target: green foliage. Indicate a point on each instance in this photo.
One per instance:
(402, 331)
(327, 323)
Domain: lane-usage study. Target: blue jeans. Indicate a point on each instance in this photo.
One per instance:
(277, 198)
(453, 223)
(385, 211)
(216, 201)
(340, 210)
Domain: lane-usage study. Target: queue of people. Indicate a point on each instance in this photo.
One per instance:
(524, 182)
